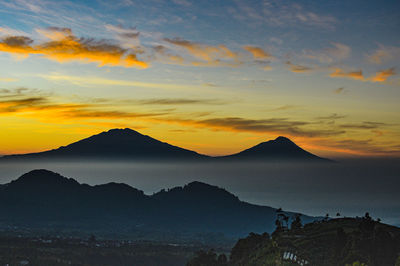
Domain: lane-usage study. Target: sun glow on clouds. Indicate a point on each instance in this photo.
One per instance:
(150, 114)
(380, 76)
(257, 52)
(63, 46)
(188, 76)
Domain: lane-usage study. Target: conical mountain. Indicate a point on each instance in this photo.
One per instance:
(279, 149)
(116, 144)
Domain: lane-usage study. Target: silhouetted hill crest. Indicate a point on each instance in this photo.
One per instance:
(40, 198)
(43, 177)
(197, 191)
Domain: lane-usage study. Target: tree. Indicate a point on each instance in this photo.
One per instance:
(296, 224)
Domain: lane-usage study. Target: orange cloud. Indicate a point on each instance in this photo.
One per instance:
(63, 46)
(51, 109)
(257, 52)
(380, 76)
(339, 73)
(383, 75)
(211, 54)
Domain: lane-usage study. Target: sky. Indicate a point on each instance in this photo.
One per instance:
(216, 77)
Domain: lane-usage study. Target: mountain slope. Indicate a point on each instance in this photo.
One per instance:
(281, 148)
(43, 199)
(116, 144)
(127, 144)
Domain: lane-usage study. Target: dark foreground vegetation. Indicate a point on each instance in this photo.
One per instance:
(58, 251)
(344, 241)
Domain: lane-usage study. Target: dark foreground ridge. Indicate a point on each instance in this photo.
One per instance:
(330, 242)
(43, 200)
(127, 144)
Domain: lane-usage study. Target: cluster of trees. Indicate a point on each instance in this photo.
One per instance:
(344, 241)
(242, 253)
(282, 222)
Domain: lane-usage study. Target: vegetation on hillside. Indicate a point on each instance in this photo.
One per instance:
(342, 241)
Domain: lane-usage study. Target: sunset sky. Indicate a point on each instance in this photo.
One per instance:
(211, 76)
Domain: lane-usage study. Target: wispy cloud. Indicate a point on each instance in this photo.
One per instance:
(331, 117)
(338, 52)
(88, 81)
(281, 14)
(285, 107)
(184, 3)
(32, 103)
(274, 125)
(208, 54)
(340, 73)
(383, 75)
(63, 46)
(257, 52)
(338, 90)
(364, 125)
(40, 106)
(128, 37)
(298, 68)
(6, 31)
(49, 108)
(178, 101)
(383, 54)
(380, 76)
(364, 146)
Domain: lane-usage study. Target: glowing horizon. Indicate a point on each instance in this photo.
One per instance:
(176, 71)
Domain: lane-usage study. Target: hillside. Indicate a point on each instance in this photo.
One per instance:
(332, 242)
(43, 200)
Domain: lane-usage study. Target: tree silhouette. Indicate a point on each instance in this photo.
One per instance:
(296, 224)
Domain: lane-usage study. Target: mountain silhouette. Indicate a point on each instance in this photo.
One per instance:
(127, 144)
(45, 200)
(116, 144)
(280, 148)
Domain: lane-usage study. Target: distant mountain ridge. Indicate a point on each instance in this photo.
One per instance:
(46, 200)
(128, 144)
